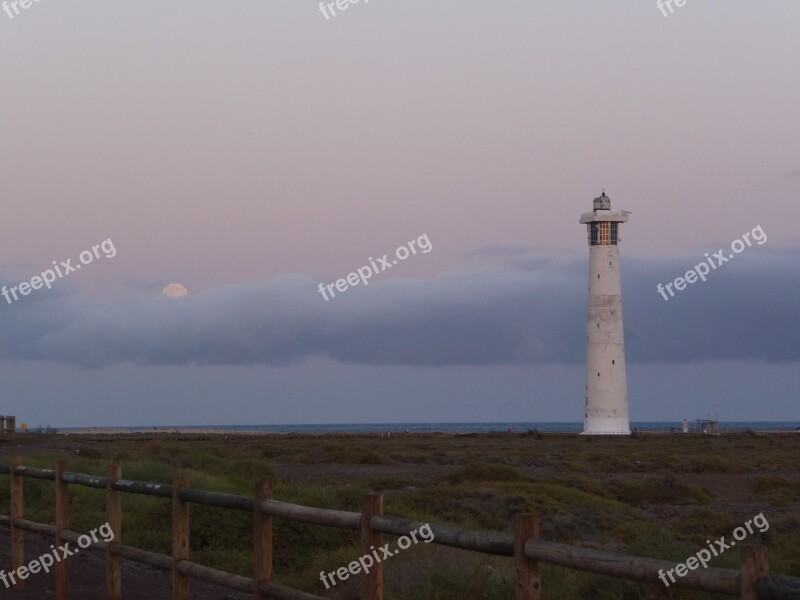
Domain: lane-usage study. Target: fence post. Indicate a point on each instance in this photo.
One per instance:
(62, 522)
(114, 519)
(262, 544)
(180, 536)
(370, 540)
(17, 511)
(755, 565)
(526, 527)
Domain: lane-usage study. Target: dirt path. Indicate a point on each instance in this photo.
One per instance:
(88, 578)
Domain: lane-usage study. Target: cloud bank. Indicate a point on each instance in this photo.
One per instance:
(524, 311)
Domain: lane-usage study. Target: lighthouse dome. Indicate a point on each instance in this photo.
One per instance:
(602, 202)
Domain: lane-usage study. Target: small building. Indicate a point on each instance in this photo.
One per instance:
(709, 426)
(8, 425)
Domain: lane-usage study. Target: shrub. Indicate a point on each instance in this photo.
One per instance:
(667, 490)
(356, 455)
(483, 471)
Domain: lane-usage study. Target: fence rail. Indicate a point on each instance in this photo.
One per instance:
(751, 582)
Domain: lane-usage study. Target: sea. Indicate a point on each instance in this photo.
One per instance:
(501, 426)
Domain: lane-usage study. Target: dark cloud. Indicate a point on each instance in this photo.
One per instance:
(525, 258)
(748, 309)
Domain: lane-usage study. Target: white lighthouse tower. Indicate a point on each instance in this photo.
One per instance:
(606, 411)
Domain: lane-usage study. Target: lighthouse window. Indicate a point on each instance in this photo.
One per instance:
(598, 373)
(612, 362)
(593, 234)
(614, 234)
(604, 233)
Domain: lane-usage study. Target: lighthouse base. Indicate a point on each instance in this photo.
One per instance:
(606, 426)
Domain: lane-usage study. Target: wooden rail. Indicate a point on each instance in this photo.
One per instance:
(751, 582)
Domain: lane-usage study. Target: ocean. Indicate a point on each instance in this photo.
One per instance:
(517, 426)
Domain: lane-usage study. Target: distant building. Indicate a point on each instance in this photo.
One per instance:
(709, 426)
(606, 408)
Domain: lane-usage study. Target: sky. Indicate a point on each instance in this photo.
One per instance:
(254, 150)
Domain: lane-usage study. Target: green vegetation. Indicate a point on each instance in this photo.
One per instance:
(658, 490)
(778, 490)
(656, 496)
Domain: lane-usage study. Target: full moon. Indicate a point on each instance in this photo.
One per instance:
(175, 290)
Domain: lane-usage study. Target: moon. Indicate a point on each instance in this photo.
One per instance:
(175, 290)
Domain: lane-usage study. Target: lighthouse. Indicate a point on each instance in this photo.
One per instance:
(606, 397)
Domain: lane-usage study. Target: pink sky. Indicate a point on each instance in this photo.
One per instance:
(223, 144)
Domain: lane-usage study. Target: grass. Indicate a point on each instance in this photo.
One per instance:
(655, 496)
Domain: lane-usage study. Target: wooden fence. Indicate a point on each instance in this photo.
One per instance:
(528, 550)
